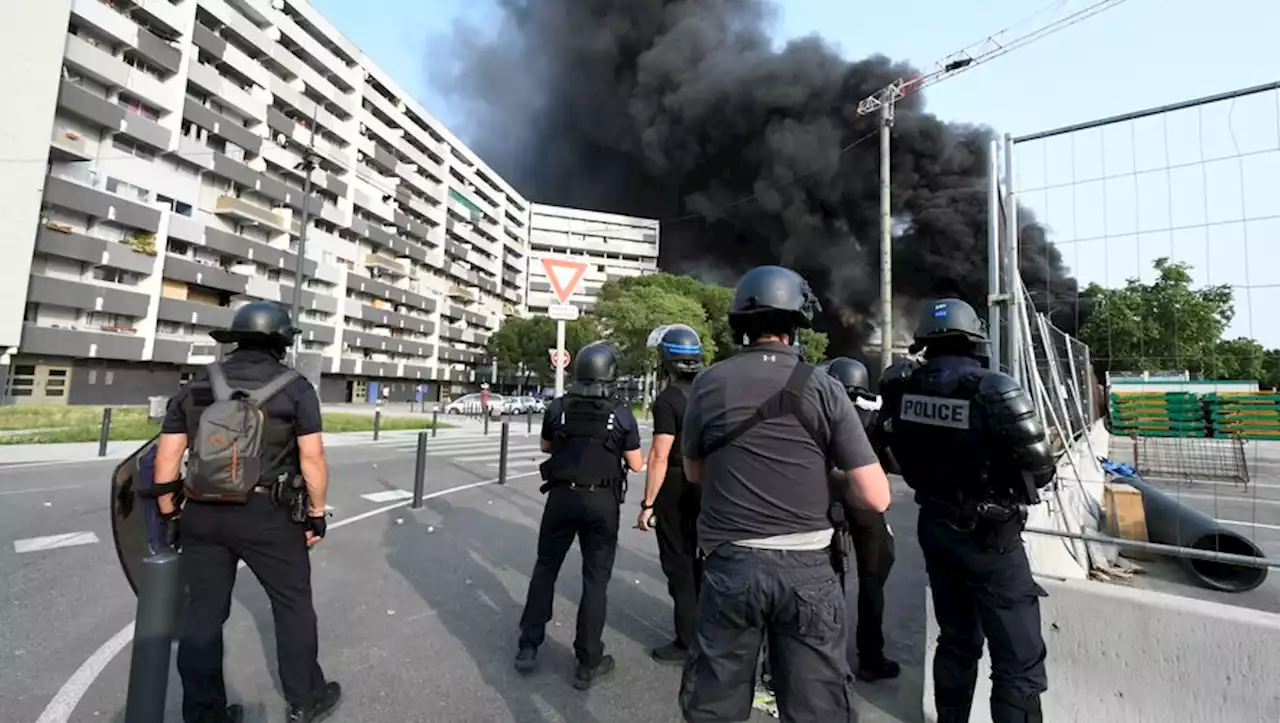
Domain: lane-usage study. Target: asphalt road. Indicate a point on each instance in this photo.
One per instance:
(418, 609)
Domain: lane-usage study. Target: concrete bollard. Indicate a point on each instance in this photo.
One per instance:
(435, 420)
(420, 470)
(158, 590)
(104, 433)
(503, 447)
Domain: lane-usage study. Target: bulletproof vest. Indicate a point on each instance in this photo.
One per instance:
(249, 370)
(936, 429)
(584, 449)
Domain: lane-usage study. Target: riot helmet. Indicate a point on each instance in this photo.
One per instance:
(261, 324)
(596, 364)
(852, 375)
(772, 300)
(680, 351)
(948, 319)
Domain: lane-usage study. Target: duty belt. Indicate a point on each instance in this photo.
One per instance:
(584, 486)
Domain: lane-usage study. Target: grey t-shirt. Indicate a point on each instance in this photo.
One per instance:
(772, 480)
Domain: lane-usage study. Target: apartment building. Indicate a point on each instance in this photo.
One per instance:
(153, 181)
(613, 246)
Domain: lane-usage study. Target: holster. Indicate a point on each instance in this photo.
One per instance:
(290, 490)
(841, 542)
(1000, 525)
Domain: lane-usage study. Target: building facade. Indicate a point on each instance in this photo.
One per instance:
(611, 245)
(153, 181)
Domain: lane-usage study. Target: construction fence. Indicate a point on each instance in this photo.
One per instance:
(1113, 197)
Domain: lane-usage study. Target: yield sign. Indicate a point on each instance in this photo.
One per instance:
(564, 276)
(559, 358)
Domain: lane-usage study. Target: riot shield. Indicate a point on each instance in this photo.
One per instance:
(134, 518)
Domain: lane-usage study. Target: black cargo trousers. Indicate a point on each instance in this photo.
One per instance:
(591, 514)
(792, 600)
(676, 510)
(874, 556)
(216, 536)
(982, 594)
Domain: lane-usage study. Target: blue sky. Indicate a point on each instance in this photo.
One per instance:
(1222, 216)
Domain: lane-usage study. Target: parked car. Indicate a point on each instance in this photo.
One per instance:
(470, 404)
(526, 405)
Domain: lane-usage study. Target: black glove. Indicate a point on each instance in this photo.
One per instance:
(172, 531)
(316, 525)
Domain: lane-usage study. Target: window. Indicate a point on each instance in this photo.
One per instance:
(109, 322)
(168, 327)
(114, 276)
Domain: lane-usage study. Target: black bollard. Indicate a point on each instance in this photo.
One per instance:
(104, 434)
(377, 423)
(435, 420)
(528, 421)
(153, 633)
(420, 470)
(486, 425)
(502, 453)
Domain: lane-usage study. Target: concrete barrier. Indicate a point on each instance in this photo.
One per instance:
(1120, 654)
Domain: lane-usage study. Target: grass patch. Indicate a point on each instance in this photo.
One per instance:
(49, 416)
(130, 424)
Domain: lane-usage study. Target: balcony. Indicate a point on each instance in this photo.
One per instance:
(89, 106)
(181, 311)
(106, 21)
(238, 25)
(153, 90)
(86, 296)
(373, 287)
(241, 99)
(162, 13)
(91, 61)
(251, 212)
(146, 130)
(78, 344)
(67, 244)
(317, 332)
(221, 126)
(100, 204)
(176, 267)
(465, 294)
(68, 145)
(386, 264)
(287, 26)
(310, 299)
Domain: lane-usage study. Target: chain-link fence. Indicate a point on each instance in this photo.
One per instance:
(1144, 243)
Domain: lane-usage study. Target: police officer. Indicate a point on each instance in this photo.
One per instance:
(870, 534)
(589, 432)
(969, 444)
(667, 493)
(761, 433)
(263, 531)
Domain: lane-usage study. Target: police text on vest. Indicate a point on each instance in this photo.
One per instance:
(935, 411)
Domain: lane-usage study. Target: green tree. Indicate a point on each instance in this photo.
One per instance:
(521, 343)
(1159, 326)
(814, 346)
(627, 316)
(715, 301)
(1237, 359)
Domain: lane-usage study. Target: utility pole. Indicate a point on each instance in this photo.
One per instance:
(307, 166)
(886, 241)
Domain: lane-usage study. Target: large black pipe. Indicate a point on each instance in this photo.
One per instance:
(1170, 522)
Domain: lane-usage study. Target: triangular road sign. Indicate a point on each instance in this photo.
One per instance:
(564, 276)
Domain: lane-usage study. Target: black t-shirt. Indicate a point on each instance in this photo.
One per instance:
(668, 417)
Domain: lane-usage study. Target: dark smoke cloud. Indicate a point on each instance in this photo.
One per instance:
(677, 108)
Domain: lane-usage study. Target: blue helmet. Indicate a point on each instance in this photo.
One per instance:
(680, 350)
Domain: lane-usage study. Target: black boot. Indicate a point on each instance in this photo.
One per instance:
(1023, 711)
(319, 709)
(672, 653)
(585, 677)
(878, 668)
(527, 660)
(230, 714)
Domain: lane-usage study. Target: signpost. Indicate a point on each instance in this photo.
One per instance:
(564, 276)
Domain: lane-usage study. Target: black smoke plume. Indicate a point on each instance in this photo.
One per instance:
(681, 109)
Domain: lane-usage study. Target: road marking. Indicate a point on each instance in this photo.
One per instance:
(517, 463)
(31, 490)
(70, 539)
(1238, 523)
(387, 496)
(491, 455)
(70, 694)
(1223, 498)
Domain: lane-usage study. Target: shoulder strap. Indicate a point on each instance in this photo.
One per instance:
(786, 402)
(263, 394)
(218, 380)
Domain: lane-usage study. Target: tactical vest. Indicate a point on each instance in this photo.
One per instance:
(249, 370)
(584, 449)
(936, 429)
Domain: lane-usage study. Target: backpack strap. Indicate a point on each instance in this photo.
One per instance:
(264, 393)
(222, 391)
(787, 402)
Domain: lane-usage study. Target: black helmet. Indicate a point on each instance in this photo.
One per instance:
(948, 319)
(852, 375)
(596, 364)
(775, 297)
(680, 350)
(258, 321)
